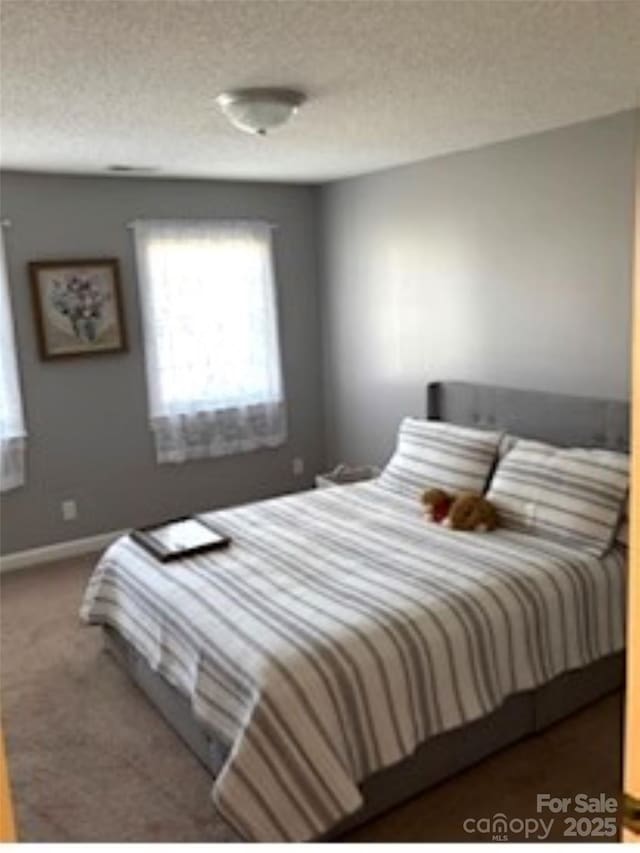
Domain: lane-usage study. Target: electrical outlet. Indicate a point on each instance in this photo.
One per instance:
(69, 510)
(297, 466)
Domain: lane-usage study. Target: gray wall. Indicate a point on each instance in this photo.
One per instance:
(86, 417)
(509, 264)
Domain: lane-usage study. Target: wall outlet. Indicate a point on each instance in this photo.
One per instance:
(297, 466)
(69, 510)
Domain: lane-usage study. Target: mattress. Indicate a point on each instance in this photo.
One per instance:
(340, 631)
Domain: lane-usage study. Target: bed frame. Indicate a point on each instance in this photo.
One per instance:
(560, 419)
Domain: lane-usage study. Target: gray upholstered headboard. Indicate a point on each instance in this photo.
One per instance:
(557, 418)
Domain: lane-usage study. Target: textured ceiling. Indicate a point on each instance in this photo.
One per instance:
(86, 84)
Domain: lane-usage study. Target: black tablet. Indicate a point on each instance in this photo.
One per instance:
(180, 537)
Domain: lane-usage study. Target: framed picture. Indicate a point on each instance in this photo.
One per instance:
(182, 537)
(78, 307)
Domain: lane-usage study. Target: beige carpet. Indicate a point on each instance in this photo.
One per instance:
(91, 760)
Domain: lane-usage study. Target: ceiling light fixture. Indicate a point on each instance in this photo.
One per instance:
(260, 110)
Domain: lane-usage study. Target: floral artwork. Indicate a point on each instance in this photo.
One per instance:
(77, 306)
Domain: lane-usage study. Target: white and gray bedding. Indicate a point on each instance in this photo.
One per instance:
(569, 493)
(340, 630)
(432, 454)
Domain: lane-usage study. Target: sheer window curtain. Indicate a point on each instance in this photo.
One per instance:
(12, 431)
(210, 324)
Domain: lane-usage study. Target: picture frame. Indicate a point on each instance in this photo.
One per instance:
(77, 307)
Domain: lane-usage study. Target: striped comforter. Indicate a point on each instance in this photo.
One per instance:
(340, 630)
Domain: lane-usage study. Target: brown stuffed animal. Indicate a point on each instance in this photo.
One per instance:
(472, 512)
(436, 504)
(467, 511)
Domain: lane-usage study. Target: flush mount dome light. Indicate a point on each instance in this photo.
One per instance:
(259, 110)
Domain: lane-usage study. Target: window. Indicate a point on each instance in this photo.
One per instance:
(12, 432)
(211, 337)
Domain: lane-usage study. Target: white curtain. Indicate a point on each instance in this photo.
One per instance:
(210, 322)
(12, 431)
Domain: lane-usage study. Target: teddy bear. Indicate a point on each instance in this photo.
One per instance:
(466, 511)
(437, 504)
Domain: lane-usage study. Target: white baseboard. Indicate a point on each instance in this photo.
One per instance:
(57, 551)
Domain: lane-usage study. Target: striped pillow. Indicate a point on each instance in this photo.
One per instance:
(571, 494)
(433, 454)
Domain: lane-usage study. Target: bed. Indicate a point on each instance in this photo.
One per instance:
(343, 655)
